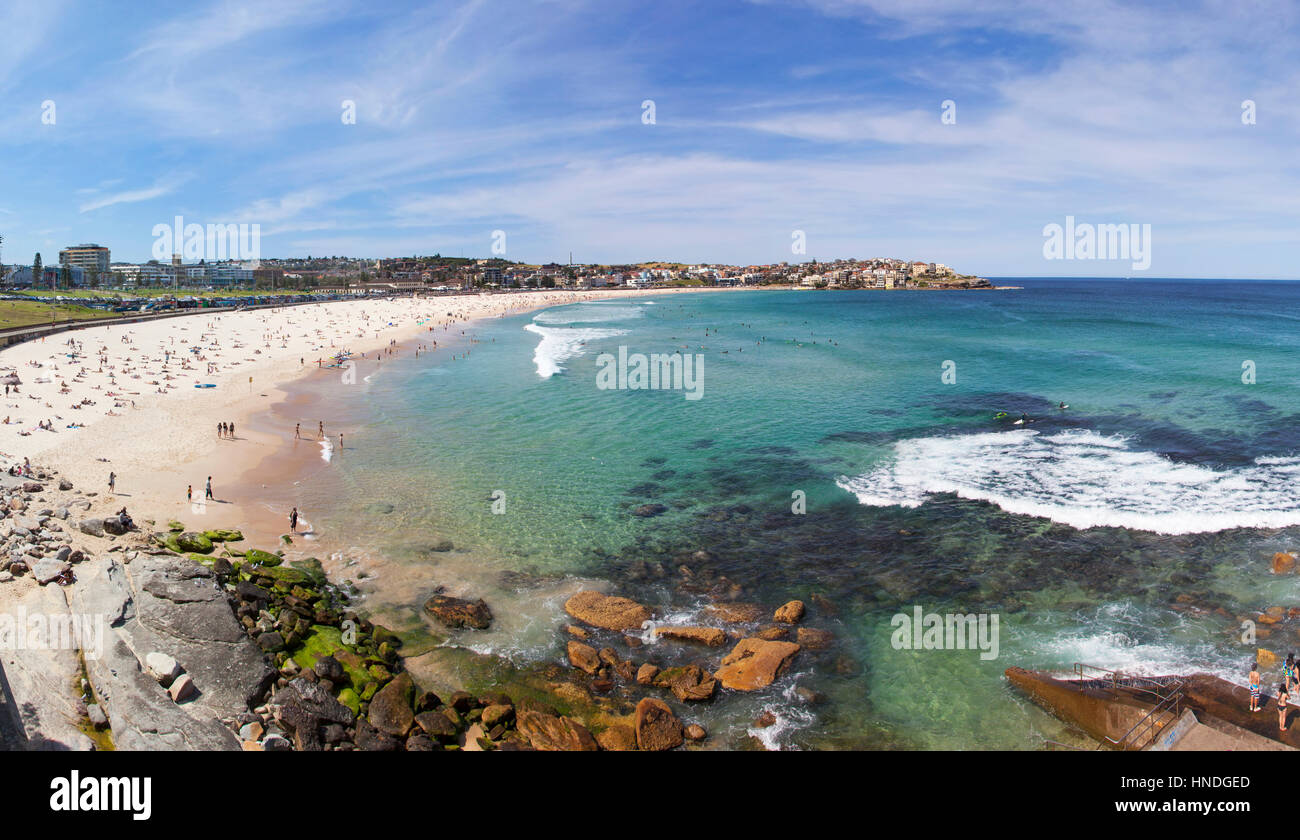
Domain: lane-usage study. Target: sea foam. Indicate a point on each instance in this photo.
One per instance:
(560, 344)
(1085, 479)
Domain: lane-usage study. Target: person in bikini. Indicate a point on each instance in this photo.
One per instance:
(1254, 687)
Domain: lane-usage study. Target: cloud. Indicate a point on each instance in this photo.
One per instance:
(132, 196)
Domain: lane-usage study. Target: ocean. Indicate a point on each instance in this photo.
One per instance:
(844, 448)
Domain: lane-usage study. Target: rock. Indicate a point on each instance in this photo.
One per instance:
(736, 613)
(790, 612)
(766, 719)
(182, 688)
(688, 683)
(302, 699)
(773, 633)
(271, 641)
(114, 525)
(93, 526)
(252, 731)
(649, 510)
(618, 738)
(371, 739)
(458, 612)
(420, 743)
(276, 743)
(1283, 562)
(813, 639)
(584, 657)
(436, 725)
(695, 732)
(49, 570)
(224, 535)
(755, 663)
(163, 668)
(577, 632)
(645, 675)
(497, 713)
(809, 697)
(64, 484)
(657, 728)
(329, 668)
(98, 719)
(391, 709)
(608, 612)
(551, 733)
(711, 636)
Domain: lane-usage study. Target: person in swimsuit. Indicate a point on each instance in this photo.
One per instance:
(1254, 687)
(1289, 672)
(1281, 707)
(293, 520)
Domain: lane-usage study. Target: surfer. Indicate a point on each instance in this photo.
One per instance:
(1062, 406)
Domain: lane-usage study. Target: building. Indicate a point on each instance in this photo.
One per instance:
(93, 259)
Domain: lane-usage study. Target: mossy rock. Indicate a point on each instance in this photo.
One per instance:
(278, 574)
(351, 699)
(323, 640)
(194, 541)
(175, 526)
(167, 541)
(224, 535)
(202, 559)
(313, 567)
(262, 558)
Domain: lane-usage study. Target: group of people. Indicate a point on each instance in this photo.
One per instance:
(226, 430)
(1290, 678)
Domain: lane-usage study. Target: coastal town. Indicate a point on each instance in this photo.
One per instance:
(90, 267)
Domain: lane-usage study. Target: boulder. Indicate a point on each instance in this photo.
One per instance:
(618, 738)
(657, 728)
(584, 657)
(1283, 562)
(162, 668)
(790, 612)
(755, 663)
(192, 541)
(688, 683)
(711, 636)
(645, 675)
(49, 570)
(93, 526)
(736, 613)
(606, 611)
(458, 612)
(391, 709)
(645, 511)
(302, 700)
(182, 688)
(436, 725)
(552, 734)
(695, 732)
(813, 639)
(497, 713)
(114, 525)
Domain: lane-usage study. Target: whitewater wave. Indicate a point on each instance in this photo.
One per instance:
(589, 313)
(1085, 479)
(559, 344)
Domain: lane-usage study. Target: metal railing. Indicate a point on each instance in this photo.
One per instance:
(1167, 694)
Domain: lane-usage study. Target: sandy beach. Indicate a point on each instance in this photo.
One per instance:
(123, 399)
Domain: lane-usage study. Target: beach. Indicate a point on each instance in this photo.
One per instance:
(122, 399)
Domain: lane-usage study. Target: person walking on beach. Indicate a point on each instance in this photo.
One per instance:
(207, 494)
(1254, 687)
(230, 430)
(340, 441)
(189, 492)
(297, 432)
(221, 429)
(112, 481)
(293, 521)
(321, 430)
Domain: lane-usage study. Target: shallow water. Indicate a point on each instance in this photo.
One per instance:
(1127, 531)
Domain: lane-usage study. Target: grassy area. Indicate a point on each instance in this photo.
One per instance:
(16, 313)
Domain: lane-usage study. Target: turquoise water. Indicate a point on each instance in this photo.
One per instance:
(1129, 530)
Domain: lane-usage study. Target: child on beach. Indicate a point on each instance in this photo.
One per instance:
(1254, 687)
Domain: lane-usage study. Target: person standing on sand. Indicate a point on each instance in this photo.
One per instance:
(340, 441)
(230, 430)
(297, 432)
(1281, 706)
(189, 492)
(208, 490)
(321, 430)
(112, 481)
(221, 427)
(1254, 687)
(293, 521)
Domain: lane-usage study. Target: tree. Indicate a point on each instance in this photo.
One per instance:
(36, 270)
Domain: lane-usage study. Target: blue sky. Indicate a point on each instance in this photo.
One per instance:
(814, 115)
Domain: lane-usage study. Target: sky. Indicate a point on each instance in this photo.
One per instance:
(772, 120)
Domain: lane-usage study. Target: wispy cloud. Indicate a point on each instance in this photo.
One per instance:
(133, 196)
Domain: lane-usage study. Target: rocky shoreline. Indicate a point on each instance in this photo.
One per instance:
(210, 645)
